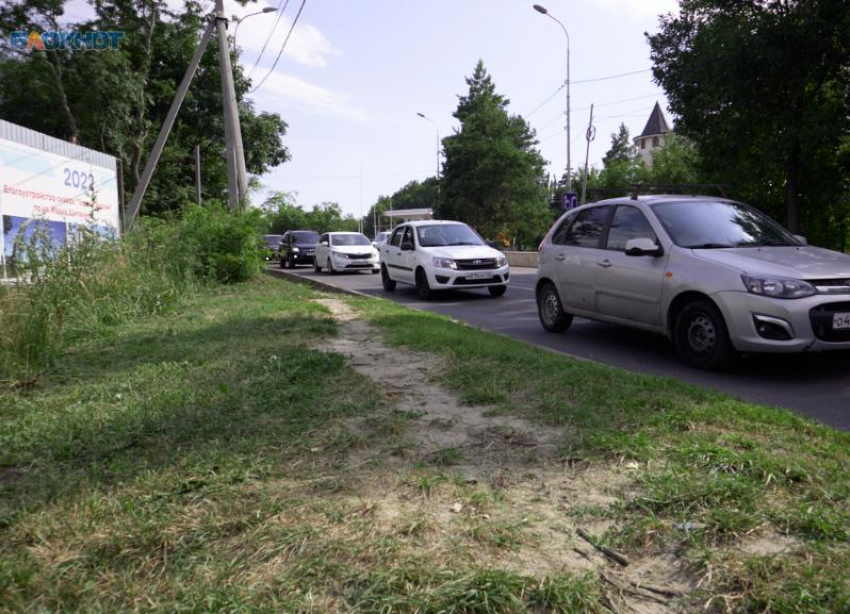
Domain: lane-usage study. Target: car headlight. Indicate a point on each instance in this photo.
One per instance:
(778, 288)
(341, 255)
(445, 263)
(296, 249)
(501, 261)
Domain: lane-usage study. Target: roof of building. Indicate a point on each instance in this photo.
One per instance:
(656, 123)
(409, 214)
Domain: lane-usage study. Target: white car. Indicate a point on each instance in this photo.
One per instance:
(437, 255)
(345, 251)
(380, 239)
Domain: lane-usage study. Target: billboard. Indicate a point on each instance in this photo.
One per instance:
(49, 189)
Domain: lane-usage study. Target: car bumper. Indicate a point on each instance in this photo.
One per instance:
(302, 258)
(443, 279)
(807, 321)
(345, 264)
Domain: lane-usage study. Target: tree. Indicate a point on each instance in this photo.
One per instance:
(622, 166)
(116, 100)
(493, 175)
(677, 161)
(622, 149)
(762, 89)
(414, 195)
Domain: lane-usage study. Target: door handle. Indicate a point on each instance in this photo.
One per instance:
(604, 264)
(560, 257)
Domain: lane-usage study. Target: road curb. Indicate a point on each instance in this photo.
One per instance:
(315, 283)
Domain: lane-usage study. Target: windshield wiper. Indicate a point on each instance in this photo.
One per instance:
(710, 246)
(767, 244)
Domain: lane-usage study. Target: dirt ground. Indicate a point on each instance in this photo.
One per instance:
(539, 494)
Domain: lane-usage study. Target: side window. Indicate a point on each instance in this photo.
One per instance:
(628, 223)
(408, 236)
(587, 229)
(560, 235)
(395, 240)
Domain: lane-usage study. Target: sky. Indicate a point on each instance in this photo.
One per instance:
(354, 75)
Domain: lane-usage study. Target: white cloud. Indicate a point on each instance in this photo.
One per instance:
(309, 97)
(307, 45)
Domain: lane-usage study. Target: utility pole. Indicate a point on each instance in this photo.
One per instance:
(156, 152)
(198, 174)
(237, 177)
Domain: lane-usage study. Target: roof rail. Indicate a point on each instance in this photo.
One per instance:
(690, 189)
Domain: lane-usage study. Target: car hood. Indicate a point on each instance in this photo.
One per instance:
(802, 262)
(353, 249)
(463, 252)
(305, 245)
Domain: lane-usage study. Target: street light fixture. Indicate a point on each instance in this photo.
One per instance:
(239, 20)
(542, 10)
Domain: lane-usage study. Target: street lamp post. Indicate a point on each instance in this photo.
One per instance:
(437, 131)
(239, 20)
(425, 117)
(542, 10)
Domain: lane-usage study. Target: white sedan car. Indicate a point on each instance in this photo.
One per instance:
(345, 251)
(437, 255)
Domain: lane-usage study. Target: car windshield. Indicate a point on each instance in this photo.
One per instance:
(701, 224)
(349, 239)
(447, 234)
(381, 236)
(307, 236)
(272, 239)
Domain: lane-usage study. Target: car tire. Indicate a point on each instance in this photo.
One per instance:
(316, 266)
(423, 290)
(702, 338)
(375, 271)
(280, 262)
(290, 263)
(550, 310)
(389, 284)
(497, 291)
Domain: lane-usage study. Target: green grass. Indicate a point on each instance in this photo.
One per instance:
(711, 472)
(198, 461)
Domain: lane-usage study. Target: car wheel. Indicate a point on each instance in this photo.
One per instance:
(422, 287)
(316, 266)
(280, 261)
(290, 262)
(702, 339)
(497, 291)
(375, 271)
(551, 312)
(389, 284)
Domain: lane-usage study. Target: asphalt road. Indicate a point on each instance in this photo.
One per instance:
(815, 385)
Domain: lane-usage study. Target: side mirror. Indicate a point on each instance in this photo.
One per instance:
(643, 246)
(801, 239)
(325, 243)
(407, 246)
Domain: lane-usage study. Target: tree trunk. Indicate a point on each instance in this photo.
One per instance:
(792, 192)
(55, 64)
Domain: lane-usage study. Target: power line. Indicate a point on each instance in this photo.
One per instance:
(280, 12)
(282, 47)
(537, 108)
(608, 78)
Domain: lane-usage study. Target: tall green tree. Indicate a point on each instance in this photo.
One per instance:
(762, 88)
(493, 175)
(115, 101)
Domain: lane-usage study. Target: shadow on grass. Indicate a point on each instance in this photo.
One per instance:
(234, 397)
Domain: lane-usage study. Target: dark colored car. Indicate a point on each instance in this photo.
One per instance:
(271, 243)
(297, 247)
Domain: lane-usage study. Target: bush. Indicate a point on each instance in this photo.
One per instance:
(225, 247)
(93, 284)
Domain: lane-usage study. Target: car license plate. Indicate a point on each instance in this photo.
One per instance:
(840, 321)
(479, 276)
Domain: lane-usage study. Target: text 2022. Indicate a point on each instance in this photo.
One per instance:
(78, 179)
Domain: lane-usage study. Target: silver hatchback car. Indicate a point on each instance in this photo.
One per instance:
(716, 276)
